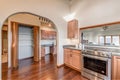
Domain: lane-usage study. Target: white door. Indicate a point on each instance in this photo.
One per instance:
(25, 39)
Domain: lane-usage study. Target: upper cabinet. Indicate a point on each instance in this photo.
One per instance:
(72, 29)
(48, 35)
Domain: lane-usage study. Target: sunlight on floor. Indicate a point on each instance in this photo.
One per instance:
(4, 58)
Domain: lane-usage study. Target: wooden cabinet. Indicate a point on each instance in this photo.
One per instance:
(48, 35)
(116, 68)
(67, 56)
(76, 61)
(72, 58)
(42, 51)
(73, 29)
(53, 49)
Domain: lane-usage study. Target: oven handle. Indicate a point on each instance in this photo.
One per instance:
(96, 57)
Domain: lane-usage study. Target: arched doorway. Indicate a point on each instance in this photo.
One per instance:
(12, 26)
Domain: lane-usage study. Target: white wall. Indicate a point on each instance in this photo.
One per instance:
(92, 12)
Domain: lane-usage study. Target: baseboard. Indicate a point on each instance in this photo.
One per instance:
(25, 58)
(58, 66)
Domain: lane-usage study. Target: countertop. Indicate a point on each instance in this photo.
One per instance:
(71, 47)
(115, 51)
(115, 54)
(47, 45)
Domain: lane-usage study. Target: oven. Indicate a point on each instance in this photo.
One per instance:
(96, 66)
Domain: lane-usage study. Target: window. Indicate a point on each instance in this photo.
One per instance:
(102, 40)
(109, 40)
(115, 40)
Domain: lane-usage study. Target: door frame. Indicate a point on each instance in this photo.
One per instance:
(2, 32)
(14, 46)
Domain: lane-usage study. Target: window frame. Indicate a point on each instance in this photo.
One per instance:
(105, 38)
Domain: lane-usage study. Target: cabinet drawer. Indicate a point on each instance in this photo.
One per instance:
(76, 51)
(67, 50)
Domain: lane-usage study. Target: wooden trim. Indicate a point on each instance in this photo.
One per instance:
(3, 41)
(100, 25)
(25, 58)
(24, 24)
(14, 47)
(5, 24)
(58, 66)
(36, 43)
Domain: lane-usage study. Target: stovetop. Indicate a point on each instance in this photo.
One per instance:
(97, 53)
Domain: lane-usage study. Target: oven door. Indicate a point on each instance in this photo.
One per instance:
(98, 66)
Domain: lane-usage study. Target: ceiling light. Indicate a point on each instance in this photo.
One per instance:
(105, 28)
(49, 25)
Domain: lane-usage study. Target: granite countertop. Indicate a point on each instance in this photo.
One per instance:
(115, 54)
(71, 47)
(47, 45)
(115, 50)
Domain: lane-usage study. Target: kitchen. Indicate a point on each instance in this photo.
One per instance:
(88, 13)
(97, 54)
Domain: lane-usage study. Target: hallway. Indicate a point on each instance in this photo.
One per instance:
(44, 70)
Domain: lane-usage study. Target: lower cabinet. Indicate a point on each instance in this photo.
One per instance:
(72, 58)
(42, 51)
(76, 61)
(116, 68)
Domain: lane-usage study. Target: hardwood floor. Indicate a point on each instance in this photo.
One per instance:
(4, 58)
(44, 70)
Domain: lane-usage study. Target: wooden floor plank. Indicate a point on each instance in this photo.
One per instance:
(44, 70)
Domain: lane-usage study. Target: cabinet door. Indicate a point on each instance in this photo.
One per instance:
(76, 60)
(70, 34)
(116, 68)
(42, 51)
(67, 56)
(73, 29)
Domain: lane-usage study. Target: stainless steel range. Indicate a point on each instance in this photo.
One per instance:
(96, 63)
